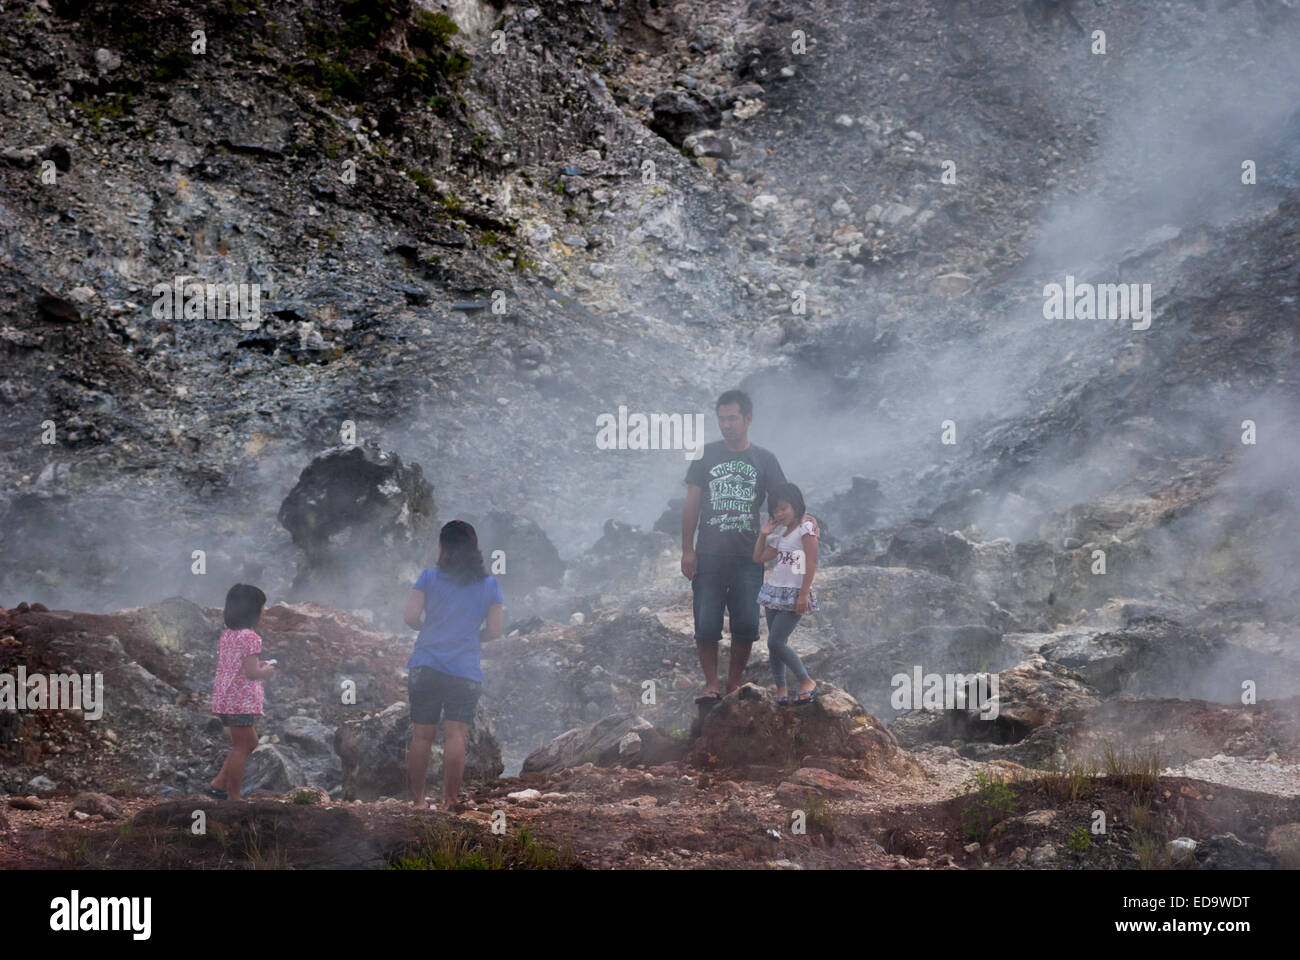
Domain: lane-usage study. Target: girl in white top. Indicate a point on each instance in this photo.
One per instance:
(790, 538)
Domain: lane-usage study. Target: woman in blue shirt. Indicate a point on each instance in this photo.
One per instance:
(448, 605)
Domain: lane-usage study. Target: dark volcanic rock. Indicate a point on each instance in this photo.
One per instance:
(1225, 852)
(366, 524)
(624, 557)
(531, 560)
(670, 521)
(373, 751)
(854, 510)
(922, 545)
(679, 113)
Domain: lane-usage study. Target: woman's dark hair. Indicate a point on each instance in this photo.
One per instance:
(458, 554)
(791, 495)
(244, 604)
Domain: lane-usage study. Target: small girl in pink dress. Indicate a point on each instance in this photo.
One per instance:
(237, 692)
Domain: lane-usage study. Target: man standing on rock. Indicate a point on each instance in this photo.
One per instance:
(724, 490)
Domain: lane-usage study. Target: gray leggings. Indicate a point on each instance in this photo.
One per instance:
(780, 624)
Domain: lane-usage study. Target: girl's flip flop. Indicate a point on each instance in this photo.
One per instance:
(808, 697)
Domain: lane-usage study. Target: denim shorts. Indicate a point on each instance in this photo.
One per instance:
(726, 583)
(237, 719)
(438, 696)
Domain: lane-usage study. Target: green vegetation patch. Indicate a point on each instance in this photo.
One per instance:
(453, 848)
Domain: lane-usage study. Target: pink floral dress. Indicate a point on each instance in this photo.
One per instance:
(234, 693)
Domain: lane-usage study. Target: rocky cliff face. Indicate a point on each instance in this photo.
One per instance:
(476, 227)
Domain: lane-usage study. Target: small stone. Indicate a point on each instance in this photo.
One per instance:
(96, 803)
(26, 803)
(106, 61)
(529, 794)
(1180, 849)
(895, 213)
(1041, 855)
(952, 284)
(20, 156)
(40, 784)
(1039, 818)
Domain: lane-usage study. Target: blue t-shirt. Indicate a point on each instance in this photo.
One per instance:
(453, 612)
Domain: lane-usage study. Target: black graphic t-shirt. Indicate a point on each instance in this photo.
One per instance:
(733, 487)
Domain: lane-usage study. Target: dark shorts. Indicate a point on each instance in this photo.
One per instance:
(435, 695)
(726, 583)
(237, 719)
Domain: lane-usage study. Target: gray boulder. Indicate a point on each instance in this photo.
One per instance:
(373, 753)
(1158, 657)
(531, 560)
(274, 767)
(357, 509)
(619, 740)
(679, 113)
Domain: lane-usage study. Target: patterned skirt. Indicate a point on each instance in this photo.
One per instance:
(783, 598)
